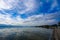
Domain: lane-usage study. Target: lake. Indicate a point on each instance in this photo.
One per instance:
(25, 34)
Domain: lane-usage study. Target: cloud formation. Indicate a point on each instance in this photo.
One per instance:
(6, 4)
(30, 21)
(26, 7)
(42, 19)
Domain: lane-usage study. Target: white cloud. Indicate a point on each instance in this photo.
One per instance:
(30, 21)
(7, 4)
(40, 20)
(54, 4)
(19, 5)
(7, 19)
(29, 6)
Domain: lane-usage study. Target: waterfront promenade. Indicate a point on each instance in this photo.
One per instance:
(56, 34)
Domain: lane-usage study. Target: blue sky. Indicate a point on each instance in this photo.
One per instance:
(29, 12)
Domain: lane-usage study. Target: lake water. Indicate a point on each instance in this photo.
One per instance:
(25, 34)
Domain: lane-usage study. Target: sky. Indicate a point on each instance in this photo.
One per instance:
(29, 12)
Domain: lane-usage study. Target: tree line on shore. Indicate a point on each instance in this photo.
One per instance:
(50, 26)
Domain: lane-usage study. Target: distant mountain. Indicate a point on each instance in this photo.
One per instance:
(14, 26)
(9, 26)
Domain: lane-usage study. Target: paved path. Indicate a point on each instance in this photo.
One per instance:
(56, 34)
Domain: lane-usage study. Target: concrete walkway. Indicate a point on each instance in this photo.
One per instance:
(56, 34)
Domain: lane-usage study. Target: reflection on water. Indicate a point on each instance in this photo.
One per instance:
(25, 34)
